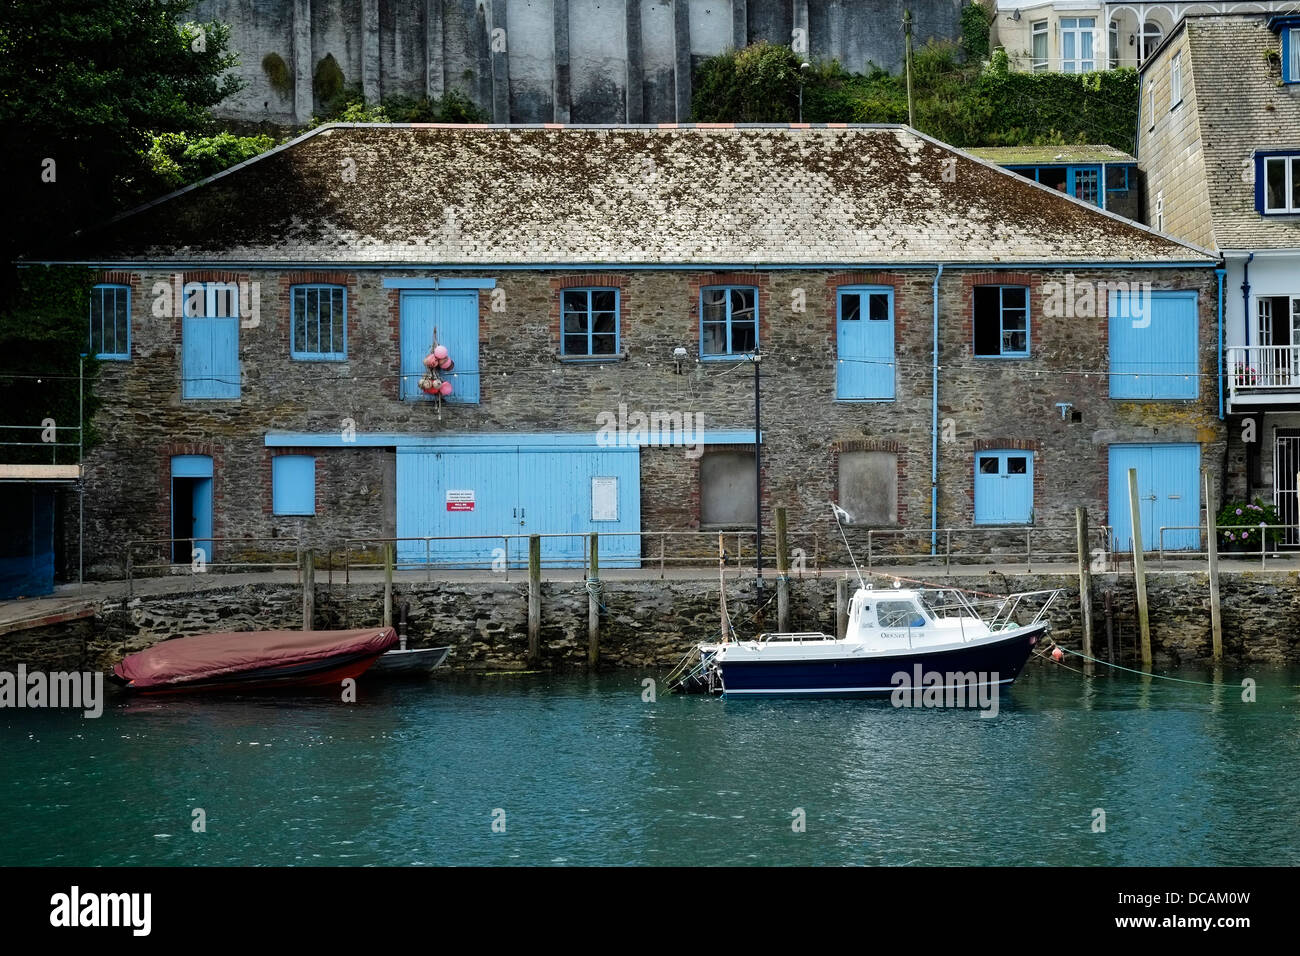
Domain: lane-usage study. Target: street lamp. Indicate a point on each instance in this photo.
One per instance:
(803, 72)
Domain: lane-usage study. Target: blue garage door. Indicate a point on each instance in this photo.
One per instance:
(479, 495)
(1168, 479)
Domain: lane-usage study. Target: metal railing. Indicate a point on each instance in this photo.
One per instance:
(1262, 367)
(1099, 539)
(1265, 550)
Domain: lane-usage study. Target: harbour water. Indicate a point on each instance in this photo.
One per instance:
(580, 770)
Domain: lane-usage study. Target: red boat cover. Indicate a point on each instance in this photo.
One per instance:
(205, 656)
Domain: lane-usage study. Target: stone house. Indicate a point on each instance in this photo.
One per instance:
(601, 292)
(1219, 147)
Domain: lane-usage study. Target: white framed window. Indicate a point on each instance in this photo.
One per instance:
(1113, 43)
(1176, 80)
(1038, 46)
(1281, 184)
(1152, 34)
(1293, 56)
(1077, 42)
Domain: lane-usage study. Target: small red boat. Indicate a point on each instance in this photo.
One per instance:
(253, 660)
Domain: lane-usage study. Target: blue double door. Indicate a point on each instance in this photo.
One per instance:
(474, 497)
(1168, 486)
(449, 319)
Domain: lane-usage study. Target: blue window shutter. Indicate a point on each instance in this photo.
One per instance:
(1286, 58)
(1259, 184)
(1153, 357)
(293, 485)
(865, 366)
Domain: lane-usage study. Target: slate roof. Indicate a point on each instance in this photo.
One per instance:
(676, 195)
(1241, 108)
(1043, 155)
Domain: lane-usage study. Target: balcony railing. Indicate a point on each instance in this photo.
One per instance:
(1263, 368)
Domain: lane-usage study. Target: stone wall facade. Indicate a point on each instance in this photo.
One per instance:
(527, 386)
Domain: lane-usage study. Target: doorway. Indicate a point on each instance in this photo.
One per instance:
(191, 509)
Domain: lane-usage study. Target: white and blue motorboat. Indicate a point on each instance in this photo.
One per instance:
(895, 636)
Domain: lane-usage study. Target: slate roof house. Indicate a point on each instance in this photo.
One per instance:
(600, 291)
(1219, 145)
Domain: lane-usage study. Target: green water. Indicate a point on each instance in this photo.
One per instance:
(586, 772)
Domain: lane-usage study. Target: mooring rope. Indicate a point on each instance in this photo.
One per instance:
(1121, 667)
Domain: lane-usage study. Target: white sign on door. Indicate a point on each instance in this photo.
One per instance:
(604, 499)
(460, 500)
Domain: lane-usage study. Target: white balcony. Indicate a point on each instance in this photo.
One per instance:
(1262, 375)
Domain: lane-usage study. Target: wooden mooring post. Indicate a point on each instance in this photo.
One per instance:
(841, 607)
(307, 572)
(388, 584)
(593, 604)
(1139, 569)
(1085, 584)
(1212, 550)
(782, 573)
(534, 597)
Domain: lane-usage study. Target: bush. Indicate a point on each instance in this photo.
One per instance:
(1245, 517)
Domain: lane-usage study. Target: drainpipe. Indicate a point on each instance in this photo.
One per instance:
(934, 424)
(1220, 273)
(1245, 298)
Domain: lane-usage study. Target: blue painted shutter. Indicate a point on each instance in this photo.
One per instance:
(293, 485)
(865, 344)
(455, 317)
(210, 350)
(1153, 355)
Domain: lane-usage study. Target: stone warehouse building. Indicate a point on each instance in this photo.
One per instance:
(263, 335)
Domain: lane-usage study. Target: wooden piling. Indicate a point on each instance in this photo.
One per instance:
(534, 597)
(1212, 550)
(782, 573)
(841, 607)
(388, 584)
(725, 622)
(1139, 569)
(593, 604)
(1085, 584)
(308, 575)
(1110, 627)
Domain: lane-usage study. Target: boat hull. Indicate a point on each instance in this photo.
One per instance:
(417, 662)
(994, 662)
(315, 674)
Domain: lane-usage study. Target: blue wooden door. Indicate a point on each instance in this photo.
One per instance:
(453, 318)
(457, 494)
(1168, 481)
(1153, 342)
(192, 480)
(865, 344)
(1004, 487)
(210, 356)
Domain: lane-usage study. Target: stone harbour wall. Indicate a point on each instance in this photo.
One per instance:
(651, 624)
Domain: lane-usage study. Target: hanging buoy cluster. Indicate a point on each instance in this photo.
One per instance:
(438, 360)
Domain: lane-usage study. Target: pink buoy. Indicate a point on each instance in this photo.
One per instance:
(430, 360)
(1058, 655)
(445, 388)
(440, 352)
(447, 364)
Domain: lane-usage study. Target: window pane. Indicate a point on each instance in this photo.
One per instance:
(715, 305)
(1017, 466)
(575, 301)
(575, 345)
(122, 325)
(1295, 182)
(879, 306)
(714, 339)
(1013, 341)
(602, 344)
(850, 306)
(602, 300)
(742, 336)
(988, 466)
(988, 320)
(1013, 297)
(575, 322)
(602, 322)
(742, 300)
(1275, 183)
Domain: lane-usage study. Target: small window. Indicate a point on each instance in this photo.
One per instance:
(293, 485)
(728, 321)
(110, 322)
(590, 322)
(1292, 64)
(1151, 103)
(1280, 186)
(1176, 80)
(1117, 179)
(320, 325)
(1001, 321)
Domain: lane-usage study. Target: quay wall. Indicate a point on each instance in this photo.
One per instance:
(652, 623)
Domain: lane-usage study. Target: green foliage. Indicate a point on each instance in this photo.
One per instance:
(955, 102)
(277, 73)
(44, 330)
(178, 159)
(975, 20)
(1244, 518)
(351, 107)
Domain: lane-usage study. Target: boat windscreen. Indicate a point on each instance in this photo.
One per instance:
(899, 614)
